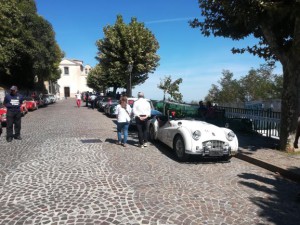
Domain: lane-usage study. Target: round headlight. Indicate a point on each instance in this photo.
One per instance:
(230, 136)
(196, 135)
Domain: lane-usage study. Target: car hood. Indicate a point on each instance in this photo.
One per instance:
(204, 127)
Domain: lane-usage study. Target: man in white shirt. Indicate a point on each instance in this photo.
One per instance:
(141, 110)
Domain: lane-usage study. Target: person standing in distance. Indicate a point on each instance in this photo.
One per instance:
(12, 102)
(78, 99)
(87, 98)
(141, 110)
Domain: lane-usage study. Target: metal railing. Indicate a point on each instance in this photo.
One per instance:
(265, 122)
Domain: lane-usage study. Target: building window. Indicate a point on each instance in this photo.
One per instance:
(66, 70)
(86, 71)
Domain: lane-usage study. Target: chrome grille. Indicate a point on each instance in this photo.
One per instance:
(215, 144)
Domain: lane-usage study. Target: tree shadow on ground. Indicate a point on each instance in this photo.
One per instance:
(278, 202)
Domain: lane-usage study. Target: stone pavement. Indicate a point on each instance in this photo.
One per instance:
(68, 170)
(261, 151)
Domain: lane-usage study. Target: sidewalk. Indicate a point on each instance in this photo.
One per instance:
(261, 151)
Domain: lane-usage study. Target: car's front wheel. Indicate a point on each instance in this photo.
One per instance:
(179, 148)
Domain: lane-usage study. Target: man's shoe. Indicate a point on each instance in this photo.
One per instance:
(9, 139)
(145, 144)
(141, 146)
(18, 138)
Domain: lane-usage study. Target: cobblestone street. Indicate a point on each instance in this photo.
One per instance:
(68, 170)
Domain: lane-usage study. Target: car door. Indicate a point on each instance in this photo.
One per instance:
(165, 133)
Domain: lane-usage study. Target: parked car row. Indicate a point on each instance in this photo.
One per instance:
(29, 104)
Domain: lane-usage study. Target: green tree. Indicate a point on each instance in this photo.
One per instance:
(276, 25)
(170, 88)
(230, 90)
(213, 94)
(28, 46)
(10, 18)
(11, 42)
(96, 79)
(45, 54)
(125, 45)
(259, 84)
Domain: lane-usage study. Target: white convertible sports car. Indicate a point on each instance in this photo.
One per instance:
(192, 137)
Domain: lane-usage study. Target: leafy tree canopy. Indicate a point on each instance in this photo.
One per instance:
(96, 79)
(258, 84)
(27, 45)
(171, 88)
(124, 45)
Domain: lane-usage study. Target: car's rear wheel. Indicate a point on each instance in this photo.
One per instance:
(179, 148)
(151, 133)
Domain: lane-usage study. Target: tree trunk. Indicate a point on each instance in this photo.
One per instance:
(129, 87)
(115, 90)
(290, 101)
(290, 104)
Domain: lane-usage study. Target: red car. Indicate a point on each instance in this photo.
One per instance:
(31, 104)
(23, 108)
(3, 114)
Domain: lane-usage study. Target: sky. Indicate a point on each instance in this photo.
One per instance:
(184, 52)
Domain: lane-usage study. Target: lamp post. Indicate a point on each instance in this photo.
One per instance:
(129, 69)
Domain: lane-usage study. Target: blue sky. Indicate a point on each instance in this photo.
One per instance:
(184, 52)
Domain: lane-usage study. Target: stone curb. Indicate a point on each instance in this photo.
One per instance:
(283, 172)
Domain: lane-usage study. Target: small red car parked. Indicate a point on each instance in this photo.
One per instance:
(31, 104)
(3, 114)
(23, 108)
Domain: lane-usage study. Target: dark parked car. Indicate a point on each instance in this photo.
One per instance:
(110, 108)
(103, 102)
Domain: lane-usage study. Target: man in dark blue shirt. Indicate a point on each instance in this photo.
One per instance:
(12, 102)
